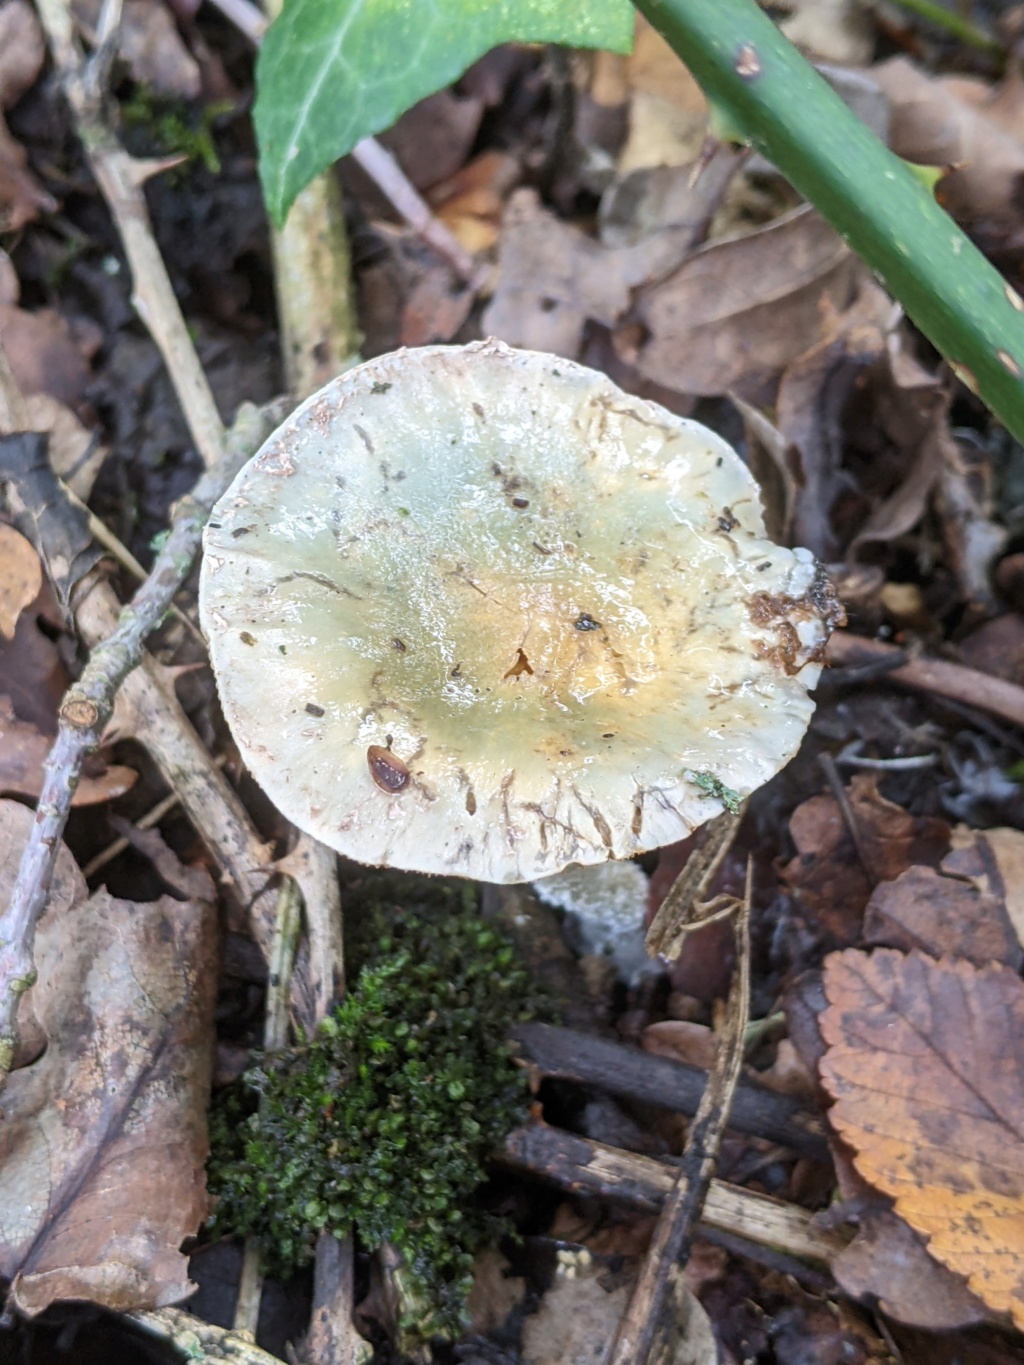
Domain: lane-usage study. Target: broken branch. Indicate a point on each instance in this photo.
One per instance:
(85, 711)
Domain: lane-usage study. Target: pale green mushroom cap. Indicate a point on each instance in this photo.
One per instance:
(432, 526)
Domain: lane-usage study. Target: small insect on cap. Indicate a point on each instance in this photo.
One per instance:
(475, 610)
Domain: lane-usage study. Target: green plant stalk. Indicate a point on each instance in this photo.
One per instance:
(762, 91)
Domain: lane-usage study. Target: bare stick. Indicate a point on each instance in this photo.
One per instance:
(331, 1336)
(391, 180)
(965, 685)
(644, 1079)
(120, 177)
(644, 1328)
(193, 1339)
(287, 926)
(585, 1167)
(148, 708)
(85, 711)
(674, 917)
(152, 817)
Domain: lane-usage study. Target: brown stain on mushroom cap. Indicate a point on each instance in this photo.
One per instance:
(388, 771)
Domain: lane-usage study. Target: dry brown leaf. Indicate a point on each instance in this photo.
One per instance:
(668, 115)
(434, 308)
(941, 915)
(941, 121)
(104, 1135)
(22, 198)
(32, 673)
(470, 202)
(22, 51)
(841, 31)
(681, 1041)
(23, 751)
(741, 309)
(887, 1263)
(553, 277)
(812, 394)
(993, 860)
(44, 355)
(433, 138)
(828, 878)
(966, 506)
(925, 1062)
(73, 451)
(149, 41)
(21, 577)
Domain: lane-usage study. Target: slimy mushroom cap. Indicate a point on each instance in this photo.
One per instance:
(476, 611)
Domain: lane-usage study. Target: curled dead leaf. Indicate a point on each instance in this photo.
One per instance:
(21, 577)
(942, 915)
(942, 121)
(23, 752)
(739, 310)
(104, 1134)
(829, 878)
(925, 1063)
(22, 51)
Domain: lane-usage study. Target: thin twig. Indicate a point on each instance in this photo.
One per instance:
(644, 1330)
(287, 926)
(582, 1166)
(842, 800)
(405, 198)
(85, 711)
(195, 1340)
(152, 817)
(148, 709)
(675, 915)
(120, 177)
(942, 679)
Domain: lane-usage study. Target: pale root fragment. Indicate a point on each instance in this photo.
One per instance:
(477, 611)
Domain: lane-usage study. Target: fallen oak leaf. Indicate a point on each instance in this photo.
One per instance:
(104, 1135)
(830, 883)
(993, 860)
(21, 577)
(23, 754)
(738, 311)
(43, 511)
(942, 915)
(925, 1063)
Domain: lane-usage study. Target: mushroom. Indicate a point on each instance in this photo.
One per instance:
(476, 611)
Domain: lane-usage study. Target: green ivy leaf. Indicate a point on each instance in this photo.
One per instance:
(331, 72)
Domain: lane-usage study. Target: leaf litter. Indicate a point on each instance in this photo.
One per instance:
(104, 1133)
(608, 228)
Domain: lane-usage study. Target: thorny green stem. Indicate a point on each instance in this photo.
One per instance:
(86, 709)
(762, 91)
